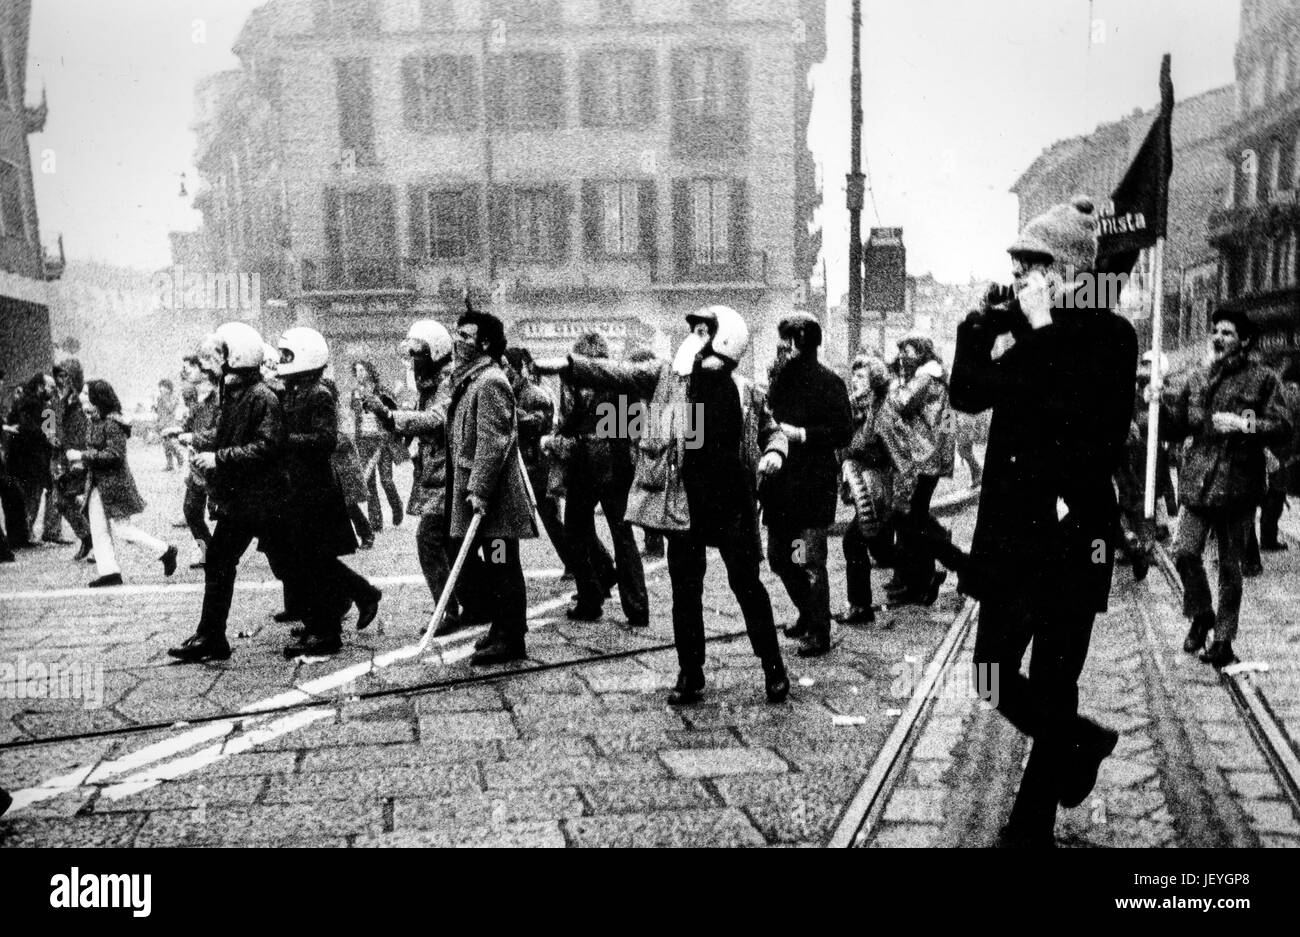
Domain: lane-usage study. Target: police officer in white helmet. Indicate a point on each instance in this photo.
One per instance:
(241, 454)
(709, 437)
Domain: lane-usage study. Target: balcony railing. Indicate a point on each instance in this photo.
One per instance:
(1273, 214)
(357, 274)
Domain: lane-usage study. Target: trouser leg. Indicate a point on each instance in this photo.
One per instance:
(101, 534)
(53, 521)
(504, 578)
(1231, 531)
(686, 567)
(435, 561)
(360, 523)
(194, 509)
(229, 541)
(917, 561)
(1271, 512)
(785, 549)
(385, 473)
(857, 567)
(742, 556)
(366, 447)
(134, 535)
(65, 501)
(1193, 529)
(627, 558)
(15, 511)
(580, 531)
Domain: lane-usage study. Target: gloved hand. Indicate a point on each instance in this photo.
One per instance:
(931, 369)
(479, 505)
(794, 433)
(770, 464)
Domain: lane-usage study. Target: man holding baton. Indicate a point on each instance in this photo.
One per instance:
(487, 489)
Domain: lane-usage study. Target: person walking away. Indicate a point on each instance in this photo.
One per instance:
(164, 409)
(70, 425)
(917, 429)
(351, 476)
(29, 447)
(1230, 410)
(372, 447)
(711, 437)
(1042, 554)
(487, 480)
(811, 405)
(242, 455)
(866, 471)
(317, 528)
(600, 473)
(111, 495)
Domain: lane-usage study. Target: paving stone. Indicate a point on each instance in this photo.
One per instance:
(563, 771)
(720, 762)
(505, 836)
(600, 723)
(646, 796)
(916, 805)
(714, 828)
(792, 808)
(187, 794)
(272, 825)
(253, 762)
(627, 677)
(656, 741)
(906, 836)
(373, 784)
(94, 831)
(1270, 816)
(431, 756)
(482, 810)
(466, 726)
(1254, 784)
(1117, 773)
(328, 734)
(549, 746)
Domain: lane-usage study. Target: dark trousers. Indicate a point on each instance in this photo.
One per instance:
(548, 508)
(230, 540)
(367, 446)
(1044, 705)
(492, 579)
(431, 544)
(15, 511)
(1270, 510)
(915, 567)
(798, 556)
(194, 510)
(1232, 528)
(360, 523)
(173, 453)
(300, 580)
(33, 493)
(858, 550)
(654, 543)
(580, 529)
(687, 564)
(65, 504)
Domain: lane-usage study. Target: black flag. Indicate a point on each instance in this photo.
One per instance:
(1139, 208)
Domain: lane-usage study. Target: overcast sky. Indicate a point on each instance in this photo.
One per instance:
(960, 96)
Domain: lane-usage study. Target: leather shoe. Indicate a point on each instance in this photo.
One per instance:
(1082, 764)
(286, 616)
(501, 651)
(776, 683)
(797, 631)
(298, 631)
(1196, 634)
(1276, 547)
(169, 561)
(112, 579)
(814, 646)
(932, 591)
(5, 801)
(57, 541)
(1141, 566)
(580, 612)
(689, 688)
(83, 551)
(367, 609)
(1251, 570)
(314, 645)
(856, 615)
(1219, 654)
(199, 648)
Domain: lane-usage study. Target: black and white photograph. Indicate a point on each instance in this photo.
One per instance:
(641, 424)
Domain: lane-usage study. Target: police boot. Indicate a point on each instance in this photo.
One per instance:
(1198, 631)
(689, 688)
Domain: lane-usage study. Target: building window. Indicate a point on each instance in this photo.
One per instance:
(527, 92)
(439, 92)
(710, 92)
(356, 111)
(444, 223)
(710, 222)
(1267, 275)
(438, 14)
(526, 12)
(1250, 180)
(616, 11)
(532, 223)
(618, 217)
(4, 75)
(360, 239)
(1281, 65)
(11, 202)
(709, 9)
(344, 16)
(1291, 259)
(1274, 169)
(1258, 86)
(618, 88)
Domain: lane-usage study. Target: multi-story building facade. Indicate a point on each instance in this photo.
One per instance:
(1257, 231)
(25, 345)
(575, 165)
(1095, 164)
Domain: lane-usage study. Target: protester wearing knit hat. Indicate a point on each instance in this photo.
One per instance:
(1043, 549)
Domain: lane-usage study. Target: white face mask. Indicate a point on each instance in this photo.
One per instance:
(684, 361)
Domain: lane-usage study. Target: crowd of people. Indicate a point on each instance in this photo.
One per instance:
(699, 456)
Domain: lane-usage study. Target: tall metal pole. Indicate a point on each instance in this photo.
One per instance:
(1157, 375)
(855, 189)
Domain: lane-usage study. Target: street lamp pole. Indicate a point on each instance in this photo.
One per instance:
(855, 189)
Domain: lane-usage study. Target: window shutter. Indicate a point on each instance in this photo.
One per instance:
(648, 86)
(498, 220)
(681, 65)
(591, 213)
(588, 89)
(738, 129)
(555, 75)
(412, 92)
(468, 93)
(418, 222)
(471, 198)
(496, 92)
(648, 216)
(739, 228)
(681, 226)
(388, 241)
(333, 223)
(562, 207)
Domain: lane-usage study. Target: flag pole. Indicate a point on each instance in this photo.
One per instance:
(1157, 377)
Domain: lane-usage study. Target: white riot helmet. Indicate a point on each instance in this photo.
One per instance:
(302, 350)
(243, 345)
(270, 360)
(433, 336)
(732, 334)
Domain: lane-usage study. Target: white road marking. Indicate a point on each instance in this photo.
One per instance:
(452, 648)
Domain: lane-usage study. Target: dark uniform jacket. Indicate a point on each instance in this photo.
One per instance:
(248, 439)
(807, 394)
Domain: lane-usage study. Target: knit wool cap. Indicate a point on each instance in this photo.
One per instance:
(1067, 233)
